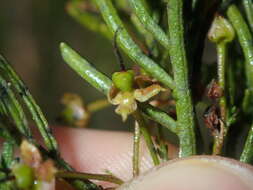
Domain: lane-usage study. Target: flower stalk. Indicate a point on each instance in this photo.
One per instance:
(136, 150)
(147, 137)
(221, 33)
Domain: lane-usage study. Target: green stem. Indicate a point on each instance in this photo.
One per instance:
(159, 116)
(85, 176)
(129, 46)
(147, 137)
(97, 105)
(162, 144)
(184, 107)
(246, 103)
(247, 153)
(149, 23)
(34, 109)
(222, 54)
(248, 6)
(245, 40)
(136, 150)
(79, 184)
(219, 138)
(231, 84)
(217, 146)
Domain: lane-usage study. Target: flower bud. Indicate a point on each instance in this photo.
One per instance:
(75, 112)
(24, 176)
(221, 31)
(123, 80)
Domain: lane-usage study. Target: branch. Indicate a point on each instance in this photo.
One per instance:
(184, 107)
(34, 109)
(128, 45)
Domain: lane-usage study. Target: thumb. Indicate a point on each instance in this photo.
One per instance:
(196, 173)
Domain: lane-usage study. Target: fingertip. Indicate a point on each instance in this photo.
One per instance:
(196, 173)
(96, 151)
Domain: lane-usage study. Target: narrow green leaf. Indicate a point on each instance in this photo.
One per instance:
(245, 39)
(88, 20)
(85, 69)
(247, 153)
(160, 117)
(29, 101)
(7, 154)
(14, 109)
(248, 6)
(141, 12)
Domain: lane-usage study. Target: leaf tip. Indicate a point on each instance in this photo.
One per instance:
(63, 46)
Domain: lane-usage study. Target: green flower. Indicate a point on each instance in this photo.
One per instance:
(75, 112)
(127, 90)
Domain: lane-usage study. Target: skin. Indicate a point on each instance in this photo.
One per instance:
(96, 151)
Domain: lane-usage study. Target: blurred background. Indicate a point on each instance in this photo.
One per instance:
(29, 38)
